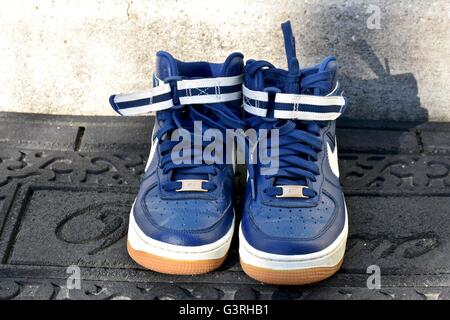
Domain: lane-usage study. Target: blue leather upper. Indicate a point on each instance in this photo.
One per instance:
(293, 226)
(188, 218)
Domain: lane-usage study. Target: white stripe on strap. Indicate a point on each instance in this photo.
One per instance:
(303, 115)
(148, 109)
(255, 110)
(211, 98)
(297, 100)
(155, 91)
(210, 82)
(310, 100)
(255, 95)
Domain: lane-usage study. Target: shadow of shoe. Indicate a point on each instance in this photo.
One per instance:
(388, 96)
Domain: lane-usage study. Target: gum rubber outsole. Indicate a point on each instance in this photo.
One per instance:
(172, 266)
(290, 277)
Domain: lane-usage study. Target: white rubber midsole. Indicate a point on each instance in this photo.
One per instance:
(328, 257)
(141, 242)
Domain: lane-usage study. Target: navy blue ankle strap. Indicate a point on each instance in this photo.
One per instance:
(295, 106)
(187, 92)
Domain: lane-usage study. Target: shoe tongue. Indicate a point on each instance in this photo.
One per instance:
(166, 65)
(233, 65)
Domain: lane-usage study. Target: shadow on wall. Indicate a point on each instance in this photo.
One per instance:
(386, 92)
(372, 91)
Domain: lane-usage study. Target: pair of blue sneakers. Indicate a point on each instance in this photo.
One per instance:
(294, 224)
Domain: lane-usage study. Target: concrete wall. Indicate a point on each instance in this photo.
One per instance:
(67, 57)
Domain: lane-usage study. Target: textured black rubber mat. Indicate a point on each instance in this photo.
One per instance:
(67, 185)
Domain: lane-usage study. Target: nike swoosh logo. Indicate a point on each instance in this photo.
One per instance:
(153, 149)
(152, 153)
(333, 159)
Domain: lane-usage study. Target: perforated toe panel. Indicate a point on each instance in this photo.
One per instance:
(296, 223)
(186, 214)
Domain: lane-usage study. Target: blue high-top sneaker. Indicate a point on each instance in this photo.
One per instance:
(294, 226)
(182, 220)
